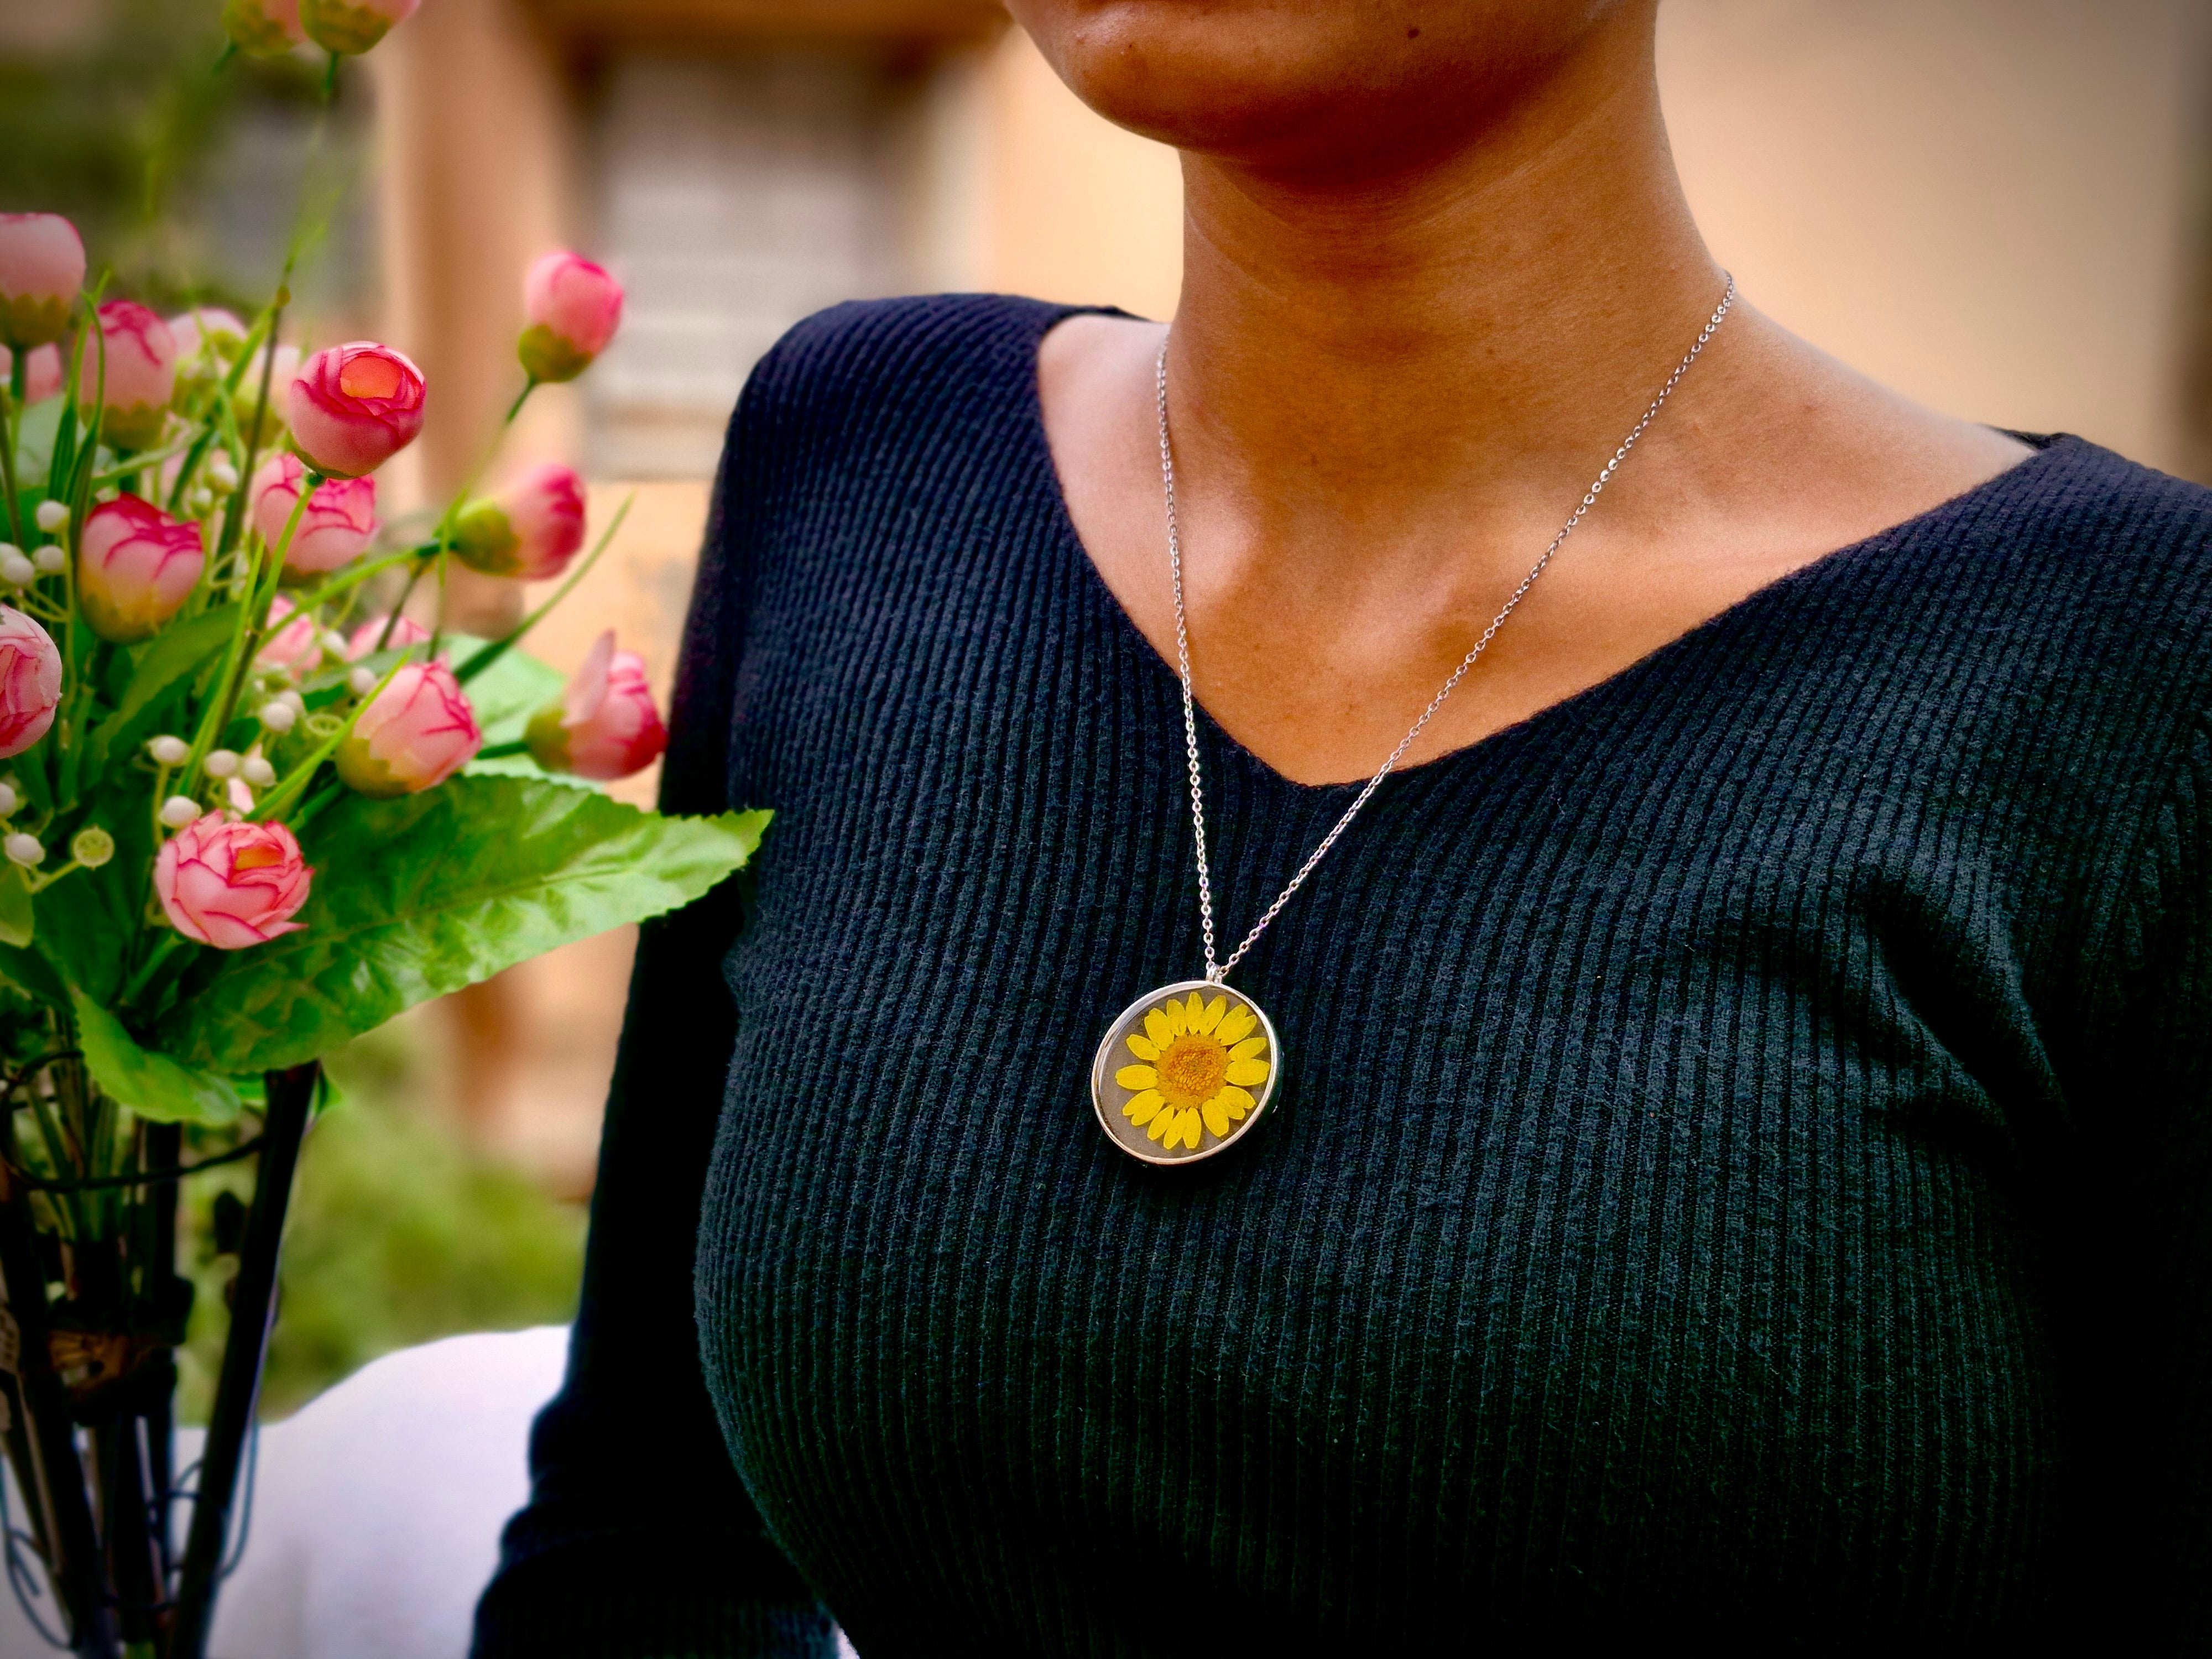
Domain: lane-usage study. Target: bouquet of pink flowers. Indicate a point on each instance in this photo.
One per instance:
(245, 817)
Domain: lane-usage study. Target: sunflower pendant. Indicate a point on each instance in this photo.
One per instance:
(1184, 1072)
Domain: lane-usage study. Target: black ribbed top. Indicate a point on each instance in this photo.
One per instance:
(1738, 1170)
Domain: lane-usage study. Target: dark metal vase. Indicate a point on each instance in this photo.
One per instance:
(95, 1466)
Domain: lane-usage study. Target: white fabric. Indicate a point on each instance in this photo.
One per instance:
(377, 1510)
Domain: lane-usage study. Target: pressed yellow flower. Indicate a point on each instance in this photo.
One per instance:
(1197, 1062)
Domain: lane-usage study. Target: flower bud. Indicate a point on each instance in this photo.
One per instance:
(352, 26)
(336, 528)
(278, 717)
(404, 632)
(292, 647)
(208, 343)
(9, 800)
(362, 682)
(136, 379)
(24, 849)
(30, 681)
(263, 28)
(255, 770)
(572, 308)
(354, 407)
(178, 810)
(41, 269)
(530, 530)
(229, 884)
(221, 474)
(221, 763)
(15, 569)
(413, 735)
(606, 726)
(136, 567)
(51, 516)
(169, 750)
(50, 560)
(92, 847)
(42, 374)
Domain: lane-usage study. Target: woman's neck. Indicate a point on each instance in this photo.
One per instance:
(1484, 318)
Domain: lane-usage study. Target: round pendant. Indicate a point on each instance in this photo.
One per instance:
(1184, 1072)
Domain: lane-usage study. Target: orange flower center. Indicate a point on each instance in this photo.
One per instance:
(1192, 1069)
(369, 375)
(256, 858)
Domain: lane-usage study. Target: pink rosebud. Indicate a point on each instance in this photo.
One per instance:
(606, 726)
(352, 26)
(293, 647)
(404, 632)
(229, 884)
(530, 530)
(138, 379)
(573, 307)
(42, 374)
(263, 28)
(354, 407)
(136, 566)
(41, 269)
(336, 528)
(415, 734)
(30, 681)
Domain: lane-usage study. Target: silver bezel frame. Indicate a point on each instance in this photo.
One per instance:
(1103, 1085)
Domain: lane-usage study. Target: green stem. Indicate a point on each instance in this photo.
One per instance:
(503, 751)
(245, 638)
(529, 386)
(399, 605)
(499, 647)
(139, 462)
(271, 805)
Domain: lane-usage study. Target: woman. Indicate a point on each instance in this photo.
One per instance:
(1728, 1163)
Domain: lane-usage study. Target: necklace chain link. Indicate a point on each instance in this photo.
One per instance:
(1217, 972)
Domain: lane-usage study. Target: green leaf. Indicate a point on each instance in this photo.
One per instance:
(175, 654)
(151, 1084)
(32, 974)
(17, 923)
(418, 897)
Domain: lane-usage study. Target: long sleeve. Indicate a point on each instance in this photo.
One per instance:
(639, 1539)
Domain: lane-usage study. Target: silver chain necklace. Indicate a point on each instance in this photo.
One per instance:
(1189, 1068)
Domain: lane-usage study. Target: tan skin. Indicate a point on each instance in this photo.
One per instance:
(1437, 262)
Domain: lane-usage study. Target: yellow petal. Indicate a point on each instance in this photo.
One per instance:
(1236, 1024)
(1155, 1027)
(1178, 1021)
(1250, 1047)
(1161, 1125)
(1216, 1119)
(1195, 1009)
(1210, 1016)
(1137, 1077)
(1248, 1072)
(1235, 1102)
(1190, 1126)
(1143, 1047)
(1144, 1108)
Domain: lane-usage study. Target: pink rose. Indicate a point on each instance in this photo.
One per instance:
(336, 529)
(293, 647)
(573, 307)
(136, 566)
(352, 26)
(229, 884)
(415, 732)
(354, 407)
(607, 726)
(41, 270)
(404, 632)
(30, 681)
(530, 530)
(138, 379)
(42, 374)
(263, 28)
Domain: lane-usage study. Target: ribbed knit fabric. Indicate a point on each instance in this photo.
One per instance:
(1740, 1166)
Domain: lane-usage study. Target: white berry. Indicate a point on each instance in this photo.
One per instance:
(15, 569)
(222, 475)
(221, 763)
(178, 810)
(25, 850)
(9, 800)
(257, 772)
(51, 516)
(170, 751)
(278, 717)
(49, 559)
(362, 681)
